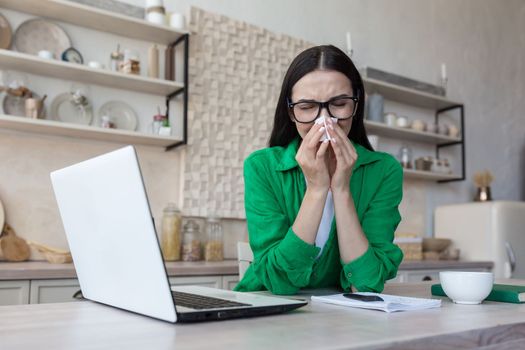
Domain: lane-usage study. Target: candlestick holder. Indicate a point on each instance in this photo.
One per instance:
(444, 81)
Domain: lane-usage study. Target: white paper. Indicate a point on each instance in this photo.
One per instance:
(322, 120)
(391, 303)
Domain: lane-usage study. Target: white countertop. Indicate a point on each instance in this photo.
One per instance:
(45, 270)
(88, 325)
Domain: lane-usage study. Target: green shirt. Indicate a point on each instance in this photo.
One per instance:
(283, 262)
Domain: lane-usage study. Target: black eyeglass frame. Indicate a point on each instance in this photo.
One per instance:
(322, 105)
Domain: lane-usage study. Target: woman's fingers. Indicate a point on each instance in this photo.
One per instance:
(341, 140)
(317, 132)
(322, 149)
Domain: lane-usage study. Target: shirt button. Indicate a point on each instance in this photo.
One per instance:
(349, 275)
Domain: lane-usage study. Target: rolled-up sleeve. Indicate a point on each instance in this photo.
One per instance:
(382, 258)
(283, 262)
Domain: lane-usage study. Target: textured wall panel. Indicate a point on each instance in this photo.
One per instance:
(236, 71)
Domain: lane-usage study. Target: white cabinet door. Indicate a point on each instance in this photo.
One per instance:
(53, 291)
(205, 281)
(14, 292)
(420, 276)
(229, 281)
(400, 278)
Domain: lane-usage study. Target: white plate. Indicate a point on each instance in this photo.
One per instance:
(64, 110)
(39, 34)
(120, 114)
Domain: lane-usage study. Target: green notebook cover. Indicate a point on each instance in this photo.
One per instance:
(500, 292)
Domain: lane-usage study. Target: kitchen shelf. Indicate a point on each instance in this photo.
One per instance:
(438, 104)
(406, 95)
(50, 127)
(382, 129)
(95, 18)
(427, 175)
(77, 72)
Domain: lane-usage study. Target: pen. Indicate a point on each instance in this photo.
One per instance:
(361, 297)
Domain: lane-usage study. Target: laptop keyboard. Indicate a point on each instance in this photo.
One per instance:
(200, 302)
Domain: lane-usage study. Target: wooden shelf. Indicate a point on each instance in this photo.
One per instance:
(81, 73)
(95, 18)
(427, 175)
(382, 129)
(405, 95)
(50, 127)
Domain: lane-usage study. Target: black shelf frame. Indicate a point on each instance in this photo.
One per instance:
(185, 41)
(461, 143)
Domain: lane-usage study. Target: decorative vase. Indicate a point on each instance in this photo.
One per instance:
(483, 194)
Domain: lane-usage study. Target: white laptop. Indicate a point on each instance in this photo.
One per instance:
(117, 257)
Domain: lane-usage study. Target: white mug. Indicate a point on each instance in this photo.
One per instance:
(390, 119)
(177, 21)
(95, 64)
(402, 122)
(156, 17)
(45, 54)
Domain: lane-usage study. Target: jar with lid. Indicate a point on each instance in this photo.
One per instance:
(213, 250)
(130, 63)
(171, 235)
(191, 244)
(115, 59)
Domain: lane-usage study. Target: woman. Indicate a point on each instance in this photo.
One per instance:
(321, 213)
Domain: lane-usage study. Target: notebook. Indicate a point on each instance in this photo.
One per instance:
(390, 303)
(111, 234)
(505, 293)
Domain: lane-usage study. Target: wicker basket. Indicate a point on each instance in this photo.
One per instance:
(412, 247)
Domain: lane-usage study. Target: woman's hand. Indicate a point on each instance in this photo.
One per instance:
(345, 157)
(312, 159)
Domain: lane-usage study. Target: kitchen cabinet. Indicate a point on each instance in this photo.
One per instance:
(204, 281)
(412, 276)
(40, 291)
(229, 282)
(14, 292)
(53, 291)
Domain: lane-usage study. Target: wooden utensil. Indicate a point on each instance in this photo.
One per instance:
(52, 255)
(13, 247)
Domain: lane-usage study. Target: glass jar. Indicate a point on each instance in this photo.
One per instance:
(130, 63)
(191, 245)
(213, 250)
(171, 235)
(405, 157)
(115, 59)
(158, 120)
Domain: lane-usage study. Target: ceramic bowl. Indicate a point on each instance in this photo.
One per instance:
(466, 287)
(435, 244)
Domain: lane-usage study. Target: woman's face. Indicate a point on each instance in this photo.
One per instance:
(321, 86)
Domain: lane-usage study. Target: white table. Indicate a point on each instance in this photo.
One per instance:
(88, 325)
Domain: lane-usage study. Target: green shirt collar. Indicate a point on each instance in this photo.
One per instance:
(364, 156)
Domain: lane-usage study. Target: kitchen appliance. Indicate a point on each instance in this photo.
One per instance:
(493, 231)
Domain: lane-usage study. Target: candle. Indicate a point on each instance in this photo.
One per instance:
(443, 71)
(348, 42)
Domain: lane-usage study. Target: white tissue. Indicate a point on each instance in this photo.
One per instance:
(322, 120)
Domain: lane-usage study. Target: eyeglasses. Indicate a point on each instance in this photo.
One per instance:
(306, 111)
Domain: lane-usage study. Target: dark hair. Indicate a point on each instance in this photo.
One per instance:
(326, 57)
